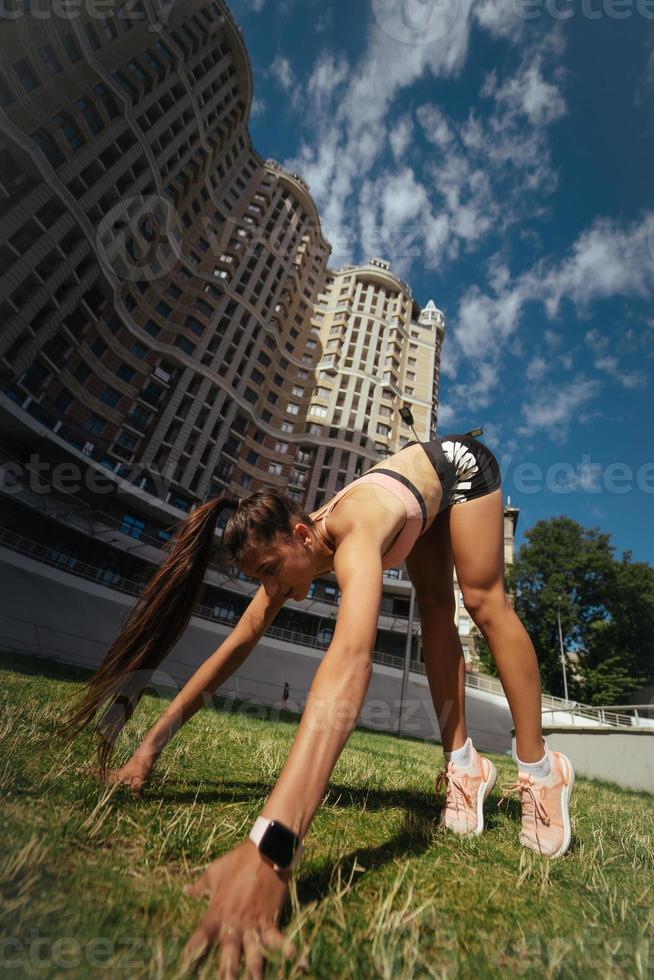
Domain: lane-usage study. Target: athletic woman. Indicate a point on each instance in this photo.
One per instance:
(438, 506)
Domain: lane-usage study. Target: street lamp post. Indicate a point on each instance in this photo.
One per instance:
(407, 660)
(565, 676)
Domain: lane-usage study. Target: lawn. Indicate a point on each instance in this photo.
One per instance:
(92, 879)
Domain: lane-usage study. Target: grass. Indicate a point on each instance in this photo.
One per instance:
(91, 878)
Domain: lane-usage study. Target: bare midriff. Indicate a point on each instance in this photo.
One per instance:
(411, 462)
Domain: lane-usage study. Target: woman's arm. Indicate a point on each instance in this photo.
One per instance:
(213, 672)
(247, 892)
(339, 686)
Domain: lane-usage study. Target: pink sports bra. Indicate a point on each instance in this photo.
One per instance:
(416, 513)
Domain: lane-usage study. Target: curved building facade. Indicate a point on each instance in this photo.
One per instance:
(170, 328)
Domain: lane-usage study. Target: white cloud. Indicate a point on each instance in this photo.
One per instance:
(527, 93)
(400, 136)
(607, 260)
(258, 107)
(435, 125)
(552, 408)
(282, 72)
(485, 321)
(500, 18)
(536, 369)
(609, 364)
(328, 74)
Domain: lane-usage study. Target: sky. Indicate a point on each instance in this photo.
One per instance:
(500, 155)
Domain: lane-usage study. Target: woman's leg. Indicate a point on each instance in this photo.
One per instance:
(477, 542)
(431, 569)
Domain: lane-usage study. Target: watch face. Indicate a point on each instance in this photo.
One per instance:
(279, 844)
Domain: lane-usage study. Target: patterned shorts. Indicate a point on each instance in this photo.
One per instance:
(466, 468)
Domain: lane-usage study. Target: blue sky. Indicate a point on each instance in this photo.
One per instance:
(499, 153)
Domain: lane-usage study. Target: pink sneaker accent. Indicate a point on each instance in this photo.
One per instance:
(465, 792)
(545, 807)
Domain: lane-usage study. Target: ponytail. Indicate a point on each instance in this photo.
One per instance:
(153, 626)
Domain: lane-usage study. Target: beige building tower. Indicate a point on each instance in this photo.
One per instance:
(379, 352)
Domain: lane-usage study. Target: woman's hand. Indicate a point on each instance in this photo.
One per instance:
(247, 896)
(133, 774)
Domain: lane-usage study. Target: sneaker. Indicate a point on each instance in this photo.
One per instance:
(545, 807)
(465, 792)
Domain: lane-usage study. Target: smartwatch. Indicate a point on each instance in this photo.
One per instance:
(275, 842)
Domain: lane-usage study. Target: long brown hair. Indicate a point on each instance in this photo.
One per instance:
(164, 608)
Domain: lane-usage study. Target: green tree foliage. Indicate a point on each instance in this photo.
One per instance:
(606, 608)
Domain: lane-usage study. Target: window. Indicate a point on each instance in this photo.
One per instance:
(65, 554)
(153, 62)
(164, 50)
(297, 391)
(194, 324)
(252, 457)
(48, 146)
(92, 35)
(319, 410)
(132, 526)
(107, 572)
(125, 373)
(383, 430)
(245, 481)
(125, 84)
(107, 99)
(63, 400)
(152, 328)
(464, 626)
(72, 48)
(109, 28)
(185, 345)
(99, 347)
(292, 409)
(137, 71)
(6, 95)
(69, 129)
(94, 424)
(281, 447)
(110, 397)
(50, 60)
(163, 308)
(287, 426)
(82, 372)
(89, 112)
(126, 441)
(275, 469)
(225, 610)
(26, 76)
(139, 349)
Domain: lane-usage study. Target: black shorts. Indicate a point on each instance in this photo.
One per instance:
(466, 468)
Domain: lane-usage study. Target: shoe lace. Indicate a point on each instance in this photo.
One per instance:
(456, 795)
(532, 807)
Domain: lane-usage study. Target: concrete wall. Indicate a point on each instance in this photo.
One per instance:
(618, 755)
(48, 612)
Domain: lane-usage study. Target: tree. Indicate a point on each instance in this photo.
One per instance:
(606, 608)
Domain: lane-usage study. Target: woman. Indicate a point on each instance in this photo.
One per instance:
(437, 505)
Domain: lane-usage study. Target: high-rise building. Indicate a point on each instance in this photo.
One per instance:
(170, 328)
